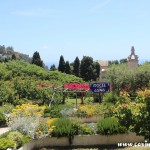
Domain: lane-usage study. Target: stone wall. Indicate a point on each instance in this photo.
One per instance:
(83, 140)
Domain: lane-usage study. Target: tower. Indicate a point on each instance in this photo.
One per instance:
(132, 59)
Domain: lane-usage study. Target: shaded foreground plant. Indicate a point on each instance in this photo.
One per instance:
(13, 139)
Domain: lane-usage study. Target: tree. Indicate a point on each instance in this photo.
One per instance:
(53, 68)
(2, 49)
(61, 66)
(76, 67)
(87, 68)
(96, 70)
(36, 59)
(13, 57)
(123, 78)
(9, 50)
(124, 60)
(67, 68)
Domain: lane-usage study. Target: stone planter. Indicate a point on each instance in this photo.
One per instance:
(106, 140)
(83, 141)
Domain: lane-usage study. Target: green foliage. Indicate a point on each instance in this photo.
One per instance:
(142, 114)
(53, 111)
(53, 68)
(56, 111)
(124, 113)
(88, 69)
(15, 136)
(2, 120)
(86, 129)
(124, 60)
(36, 59)
(24, 69)
(121, 77)
(76, 67)
(61, 66)
(96, 70)
(110, 126)
(67, 68)
(110, 98)
(22, 82)
(14, 56)
(6, 143)
(64, 127)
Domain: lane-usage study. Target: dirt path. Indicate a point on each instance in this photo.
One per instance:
(3, 130)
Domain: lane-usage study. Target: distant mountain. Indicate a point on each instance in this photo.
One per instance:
(7, 52)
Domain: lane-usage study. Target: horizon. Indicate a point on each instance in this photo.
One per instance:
(101, 29)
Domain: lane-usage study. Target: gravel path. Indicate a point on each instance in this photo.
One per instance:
(3, 130)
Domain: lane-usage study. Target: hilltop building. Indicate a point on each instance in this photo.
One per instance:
(103, 68)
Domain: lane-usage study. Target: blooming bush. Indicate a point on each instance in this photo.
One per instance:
(77, 86)
(124, 113)
(25, 118)
(85, 111)
(135, 115)
(28, 110)
(44, 128)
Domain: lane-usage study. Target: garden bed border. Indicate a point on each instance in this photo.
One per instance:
(83, 141)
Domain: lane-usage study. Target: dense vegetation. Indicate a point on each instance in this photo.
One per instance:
(21, 81)
(29, 93)
(123, 78)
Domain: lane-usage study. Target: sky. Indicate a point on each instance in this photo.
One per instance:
(101, 29)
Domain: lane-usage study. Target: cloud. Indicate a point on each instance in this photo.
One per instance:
(97, 7)
(39, 12)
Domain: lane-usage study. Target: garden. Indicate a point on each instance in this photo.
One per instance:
(38, 104)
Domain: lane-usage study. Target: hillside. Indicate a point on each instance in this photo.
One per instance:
(21, 82)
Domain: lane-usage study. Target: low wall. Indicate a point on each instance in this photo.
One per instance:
(83, 140)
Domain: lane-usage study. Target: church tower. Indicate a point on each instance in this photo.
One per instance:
(132, 59)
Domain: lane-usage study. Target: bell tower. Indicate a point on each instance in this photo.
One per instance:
(132, 59)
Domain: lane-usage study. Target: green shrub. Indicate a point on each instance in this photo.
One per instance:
(17, 137)
(110, 98)
(86, 130)
(109, 126)
(55, 111)
(4, 135)
(6, 143)
(2, 120)
(6, 109)
(64, 127)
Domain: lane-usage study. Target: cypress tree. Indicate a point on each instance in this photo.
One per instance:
(76, 67)
(61, 66)
(36, 59)
(67, 68)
